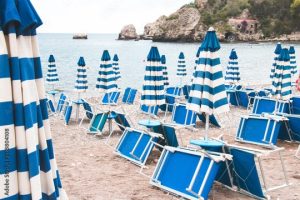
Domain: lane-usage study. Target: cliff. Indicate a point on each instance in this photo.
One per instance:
(234, 20)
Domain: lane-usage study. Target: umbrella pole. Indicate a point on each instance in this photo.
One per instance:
(206, 125)
(78, 107)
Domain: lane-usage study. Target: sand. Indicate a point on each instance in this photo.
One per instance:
(90, 169)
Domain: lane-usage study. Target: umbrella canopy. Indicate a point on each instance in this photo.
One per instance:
(153, 86)
(276, 54)
(208, 91)
(293, 60)
(106, 81)
(81, 84)
(28, 168)
(233, 72)
(281, 84)
(116, 67)
(181, 68)
(165, 70)
(52, 76)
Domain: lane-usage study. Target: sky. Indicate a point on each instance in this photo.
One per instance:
(101, 16)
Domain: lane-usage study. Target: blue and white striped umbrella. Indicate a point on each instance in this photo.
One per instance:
(293, 60)
(233, 72)
(81, 84)
(165, 70)
(153, 86)
(52, 76)
(276, 54)
(106, 81)
(281, 84)
(28, 168)
(208, 90)
(116, 67)
(181, 67)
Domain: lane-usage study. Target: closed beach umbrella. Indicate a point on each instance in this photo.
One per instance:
(81, 84)
(28, 168)
(116, 67)
(281, 84)
(181, 67)
(153, 86)
(207, 93)
(276, 54)
(233, 73)
(293, 60)
(52, 76)
(106, 81)
(165, 70)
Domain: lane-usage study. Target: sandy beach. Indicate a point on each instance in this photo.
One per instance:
(90, 169)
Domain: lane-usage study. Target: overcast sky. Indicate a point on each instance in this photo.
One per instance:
(101, 16)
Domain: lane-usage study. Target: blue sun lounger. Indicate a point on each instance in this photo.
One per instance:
(183, 117)
(260, 130)
(212, 119)
(129, 96)
(149, 110)
(169, 134)
(172, 94)
(111, 98)
(295, 105)
(245, 172)
(50, 106)
(267, 105)
(291, 130)
(186, 91)
(67, 112)
(61, 103)
(136, 145)
(97, 123)
(187, 173)
(245, 97)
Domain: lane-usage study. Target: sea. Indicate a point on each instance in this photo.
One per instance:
(255, 60)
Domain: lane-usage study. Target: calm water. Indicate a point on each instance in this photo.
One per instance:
(254, 59)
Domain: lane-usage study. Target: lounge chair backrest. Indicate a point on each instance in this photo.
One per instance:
(243, 98)
(267, 105)
(68, 112)
(122, 121)
(186, 91)
(291, 130)
(50, 106)
(182, 116)
(97, 123)
(88, 109)
(295, 107)
(129, 95)
(111, 98)
(169, 134)
(176, 91)
(61, 102)
(152, 110)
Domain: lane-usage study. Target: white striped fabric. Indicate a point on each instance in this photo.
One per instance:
(81, 84)
(106, 81)
(28, 168)
(52, 76)
(293, 60)
(208, 91)
(116, 67)
(165, 70)
(181, 67)
(281, 84)
(232, 75)
(276, 54)
(153, 86)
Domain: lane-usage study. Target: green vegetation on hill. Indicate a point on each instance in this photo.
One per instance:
(275, 16)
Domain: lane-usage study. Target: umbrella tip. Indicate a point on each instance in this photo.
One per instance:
(211, 29)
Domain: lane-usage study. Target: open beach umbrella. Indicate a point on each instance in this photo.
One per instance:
(116, 67)
(276, 54)
(81, 84)
(106, 81)
(208, 93)
(28, 168)
(153, 86)
(165, 70)
(293, 60)
(52, 76)
(233, 73)
(281, 84)
(181, 67)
